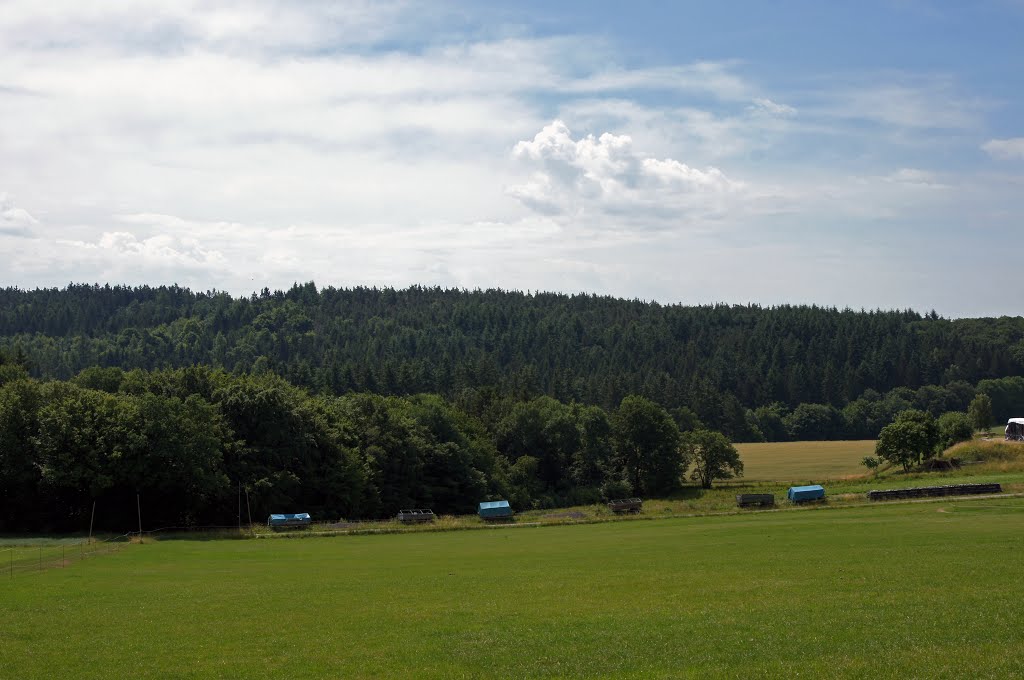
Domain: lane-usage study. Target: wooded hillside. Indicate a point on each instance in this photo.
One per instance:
(715, 360)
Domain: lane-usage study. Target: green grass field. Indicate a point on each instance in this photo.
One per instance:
(804, 460)
(904, 590)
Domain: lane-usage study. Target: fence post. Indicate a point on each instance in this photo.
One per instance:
(91, 518)
(248, 511)
(12, 562)
(40, 557)
(61, 555)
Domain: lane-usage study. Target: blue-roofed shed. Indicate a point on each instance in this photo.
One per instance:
(289, 521)
(495, 510)
(802, 494)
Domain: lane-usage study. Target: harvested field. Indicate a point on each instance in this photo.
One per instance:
(800, 461)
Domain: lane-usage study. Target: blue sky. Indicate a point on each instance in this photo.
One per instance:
(867, 155)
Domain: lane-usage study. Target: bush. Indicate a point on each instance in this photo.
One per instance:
(954, 427)
(616, 488)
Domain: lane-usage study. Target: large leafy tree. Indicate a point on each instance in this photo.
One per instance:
(980, 411)
(178, 462)
(647, 446)
(813, 422)
(19, 473)
(711, 457)
(458, 457)
(545, 429)
(593, 457)
(81, 440)
(909, 439)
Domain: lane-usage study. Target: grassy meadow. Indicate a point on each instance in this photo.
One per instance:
(898, 590)
(846, 589)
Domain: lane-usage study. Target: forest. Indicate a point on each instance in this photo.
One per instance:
(189, 441)
(357, 403)
(721, 364)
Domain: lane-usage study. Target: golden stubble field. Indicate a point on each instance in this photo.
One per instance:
(804, 460)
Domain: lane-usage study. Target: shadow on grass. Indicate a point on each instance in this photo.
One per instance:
(198, 535)
(688, 493)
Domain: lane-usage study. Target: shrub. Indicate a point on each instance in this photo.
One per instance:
(616, 487)
(954, 427)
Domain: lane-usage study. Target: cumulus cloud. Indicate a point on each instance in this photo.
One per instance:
(15, 221)
(606, 175)
(1005, 149)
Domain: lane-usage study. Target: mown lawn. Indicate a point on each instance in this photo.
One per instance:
(804, 460)
(897, 591)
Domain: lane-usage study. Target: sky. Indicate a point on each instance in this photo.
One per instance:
(864, 155)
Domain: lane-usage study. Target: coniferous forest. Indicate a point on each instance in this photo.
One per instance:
(356, 402)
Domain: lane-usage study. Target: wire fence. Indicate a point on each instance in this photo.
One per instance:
(35, 558)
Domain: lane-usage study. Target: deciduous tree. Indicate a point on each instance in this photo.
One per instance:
(980, 411)
(909, 439)
(711, 456)
(647, 445)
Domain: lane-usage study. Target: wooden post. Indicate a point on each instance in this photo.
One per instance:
(40, 558)
(138, 508)
(91, 518)
(248, 511)
(61, 555)
(239, 506)
(12, 562)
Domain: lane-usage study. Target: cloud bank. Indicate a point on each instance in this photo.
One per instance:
(239, 145)
(1005, 149)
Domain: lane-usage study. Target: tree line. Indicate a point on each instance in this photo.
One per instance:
(787, 372)
(192, 442)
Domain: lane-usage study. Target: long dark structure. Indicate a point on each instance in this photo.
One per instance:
(755, 500)
(626, 505)
(932, 491)
(416, 516)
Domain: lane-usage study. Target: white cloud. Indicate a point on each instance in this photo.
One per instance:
(15, 221)
(762, 105)
(1005, 149)
(916, 177)
(595, 176)
(171, 25)
(714, 78)
(162, 250)
(913, 103)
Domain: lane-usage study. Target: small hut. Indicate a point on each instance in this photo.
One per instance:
(495, 510)
(289, 521)
(805, 494)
